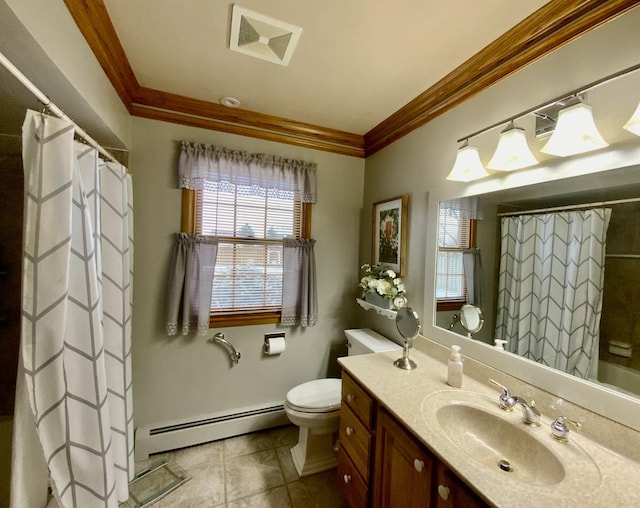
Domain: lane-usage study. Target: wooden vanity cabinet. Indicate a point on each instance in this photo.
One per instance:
(382, 465)
(403, 467)
(451, 492)
(357, 427)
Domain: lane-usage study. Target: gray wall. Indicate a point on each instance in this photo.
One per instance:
(419, 163)
(179, 378)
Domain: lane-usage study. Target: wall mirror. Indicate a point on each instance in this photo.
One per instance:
(610, 369)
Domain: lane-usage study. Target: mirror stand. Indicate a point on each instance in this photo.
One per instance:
(408, 326)
(405, 362)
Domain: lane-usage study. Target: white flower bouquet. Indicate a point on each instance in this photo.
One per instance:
(381, 280)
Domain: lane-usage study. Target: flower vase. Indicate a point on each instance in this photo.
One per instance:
(378, 300)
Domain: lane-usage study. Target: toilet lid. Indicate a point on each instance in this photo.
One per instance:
(318, 396)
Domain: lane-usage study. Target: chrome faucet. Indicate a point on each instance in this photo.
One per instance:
(559, 429)
(530, 415)
(506, 401)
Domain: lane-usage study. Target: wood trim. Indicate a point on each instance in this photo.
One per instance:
(237, 116)
(307, 209)
(95, 25)
(445, 305)
(212, 124)
(188, 221)
(263, 318)
(550, 27)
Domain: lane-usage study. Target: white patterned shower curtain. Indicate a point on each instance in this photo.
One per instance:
(76, 324)
(550, 288)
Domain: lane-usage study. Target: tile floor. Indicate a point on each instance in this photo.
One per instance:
(253, 470)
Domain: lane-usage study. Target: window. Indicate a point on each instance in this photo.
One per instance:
(456, 232)
(249, 223)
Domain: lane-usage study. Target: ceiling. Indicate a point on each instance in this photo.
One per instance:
(364, 72)
(356, 63)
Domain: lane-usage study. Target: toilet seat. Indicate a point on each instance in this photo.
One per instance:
(318, 396)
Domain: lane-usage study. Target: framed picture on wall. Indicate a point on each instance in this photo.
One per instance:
(390, 233)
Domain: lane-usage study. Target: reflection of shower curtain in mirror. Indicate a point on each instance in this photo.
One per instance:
(550, 287)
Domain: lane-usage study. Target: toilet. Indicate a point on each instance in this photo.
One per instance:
(314, 406)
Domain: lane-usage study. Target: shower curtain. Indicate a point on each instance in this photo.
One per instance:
(550, 288)
(76, 324)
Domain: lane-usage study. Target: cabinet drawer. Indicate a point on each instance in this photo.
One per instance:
(358, 400)
(353, 487)
(356, 440)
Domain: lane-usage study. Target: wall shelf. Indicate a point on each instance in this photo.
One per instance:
(388, 313)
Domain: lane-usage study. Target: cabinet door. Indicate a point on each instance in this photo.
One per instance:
(353, 487)
(451, 492)
(403, 468)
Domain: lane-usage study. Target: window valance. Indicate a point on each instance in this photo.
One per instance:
(466, 208)
(199, 163)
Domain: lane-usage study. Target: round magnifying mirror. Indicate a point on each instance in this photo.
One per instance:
(408, 325)
(471, 318)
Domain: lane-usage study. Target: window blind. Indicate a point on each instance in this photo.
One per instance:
(250, 223)
(454, 237)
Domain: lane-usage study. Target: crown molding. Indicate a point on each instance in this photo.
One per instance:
(550, 27)
(204, 122)
(556, 23)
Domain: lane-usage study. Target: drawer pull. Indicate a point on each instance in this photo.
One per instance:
(350, 397)
(349, 431)
(346, 478)
(419, 465)
(443, 492)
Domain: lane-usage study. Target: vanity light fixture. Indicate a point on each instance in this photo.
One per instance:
(512, 152)
(575, 132)
(633, 125)
(468, 166)
(567, 117)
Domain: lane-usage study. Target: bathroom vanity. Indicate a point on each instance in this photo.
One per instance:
(381, 464)
(407, 439)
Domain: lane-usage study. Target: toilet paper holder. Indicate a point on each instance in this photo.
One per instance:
(267, 336)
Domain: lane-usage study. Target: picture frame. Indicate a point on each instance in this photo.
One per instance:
(389, 233)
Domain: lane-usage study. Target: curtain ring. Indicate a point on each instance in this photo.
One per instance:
(46, 109)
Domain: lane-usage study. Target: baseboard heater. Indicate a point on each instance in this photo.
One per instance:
(179, 434)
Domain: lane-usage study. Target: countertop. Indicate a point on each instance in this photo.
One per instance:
(604, 478)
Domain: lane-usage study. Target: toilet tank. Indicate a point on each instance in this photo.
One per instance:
(361, 341)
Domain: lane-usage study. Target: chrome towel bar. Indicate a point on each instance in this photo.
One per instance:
(234, 354)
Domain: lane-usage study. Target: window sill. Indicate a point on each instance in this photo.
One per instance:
(449, 305)
(224, 320)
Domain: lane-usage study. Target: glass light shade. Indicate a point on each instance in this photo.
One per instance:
(468, 165)
(575, 132)
(633, 125)
(513, 151)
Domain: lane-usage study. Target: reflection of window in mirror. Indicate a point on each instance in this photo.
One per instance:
(456, 232)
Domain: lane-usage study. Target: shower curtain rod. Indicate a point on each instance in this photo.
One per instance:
(569, 207)
(48, 104)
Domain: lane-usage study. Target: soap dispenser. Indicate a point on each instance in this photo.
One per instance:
(454, 368)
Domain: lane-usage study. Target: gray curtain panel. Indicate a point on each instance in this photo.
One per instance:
(189, 284)
(472, 264)
(299, 297)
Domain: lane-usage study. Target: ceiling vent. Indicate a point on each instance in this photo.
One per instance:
(262, 37)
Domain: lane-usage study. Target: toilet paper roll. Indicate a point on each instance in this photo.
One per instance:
(274, 346)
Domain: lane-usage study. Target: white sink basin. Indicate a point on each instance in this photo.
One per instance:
(472, 425)
(499, 443)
